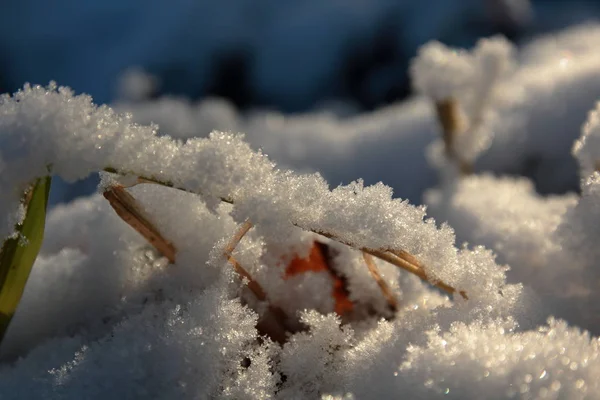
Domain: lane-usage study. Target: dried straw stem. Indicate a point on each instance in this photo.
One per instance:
(228, 253)
(252, 284)
(449, 115)
(133, 214)
(235, 240)
(399, 258)
(414, 269)
(272, 323)
(385, 289)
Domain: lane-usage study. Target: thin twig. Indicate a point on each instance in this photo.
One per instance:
(253, 285)
(406, 256)
(273, 323)
(414, 268)
(155, 181)
(385, 289)
(449, 114)
(132, 213)
(235, 240)
(398, 258)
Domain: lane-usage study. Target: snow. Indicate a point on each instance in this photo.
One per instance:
(169, 349)
(105, 315)
(441, 73)
(585, 149)
(505, 214)
(505, 364)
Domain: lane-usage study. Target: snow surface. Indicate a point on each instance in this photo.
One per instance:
(105, 315)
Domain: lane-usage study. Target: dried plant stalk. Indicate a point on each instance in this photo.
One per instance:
(235, 240)
(413, 269)
(228, 253)
(449, 115)
(385, 289)
(273, 323)
(254, 286)
(132, 213)
(398, 258)
(407, 257)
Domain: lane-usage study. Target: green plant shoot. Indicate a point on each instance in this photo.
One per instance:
(18, 253)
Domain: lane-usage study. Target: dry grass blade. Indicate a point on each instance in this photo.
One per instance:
(228, 253)
(246, 226)
(252, 284)
(412, 260)
(406, 257)
(272, 323)
(398, 258)
(132, 213)
(414, 269)
(385, 289)
(155, 181)
(449, 115)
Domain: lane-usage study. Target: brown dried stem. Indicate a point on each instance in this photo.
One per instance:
(235, 240)
(272, 323)
(449, 115)
(399, 258)
(413, 269)
(406, 257)
(155, 181)
(252, 284)
(385, 289)
(133, 214)
(228, 253)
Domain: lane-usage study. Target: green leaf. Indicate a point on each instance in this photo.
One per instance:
(19, 253)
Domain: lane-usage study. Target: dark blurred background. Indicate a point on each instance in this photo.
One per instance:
(289, 55)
